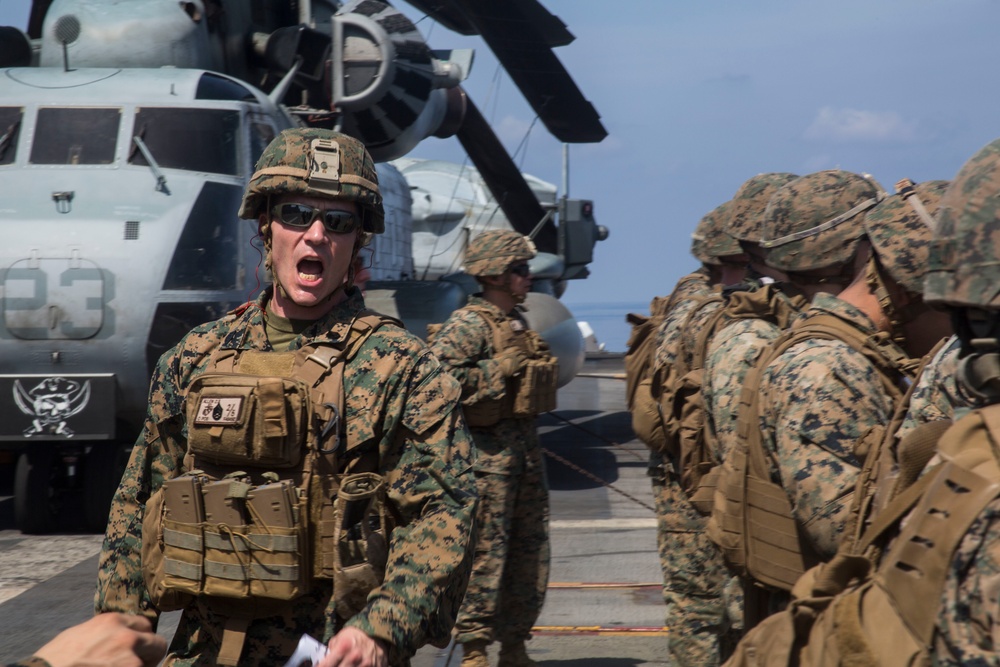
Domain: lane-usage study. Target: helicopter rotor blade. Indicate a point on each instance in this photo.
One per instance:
(512, 193)
(452, 15)
(521, 33)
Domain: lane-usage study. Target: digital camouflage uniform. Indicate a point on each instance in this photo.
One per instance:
(937, 395)
(397, 395)
(732, 352)
(398, 402)
(817, 400)
(510, 572)
(694, 573)
(963, 274)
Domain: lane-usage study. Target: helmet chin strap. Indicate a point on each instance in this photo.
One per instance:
(518, 298)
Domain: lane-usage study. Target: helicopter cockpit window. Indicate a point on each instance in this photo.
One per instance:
(261, 134)
(10, 124)
(213, 87)
(191, 139)
(75, 136)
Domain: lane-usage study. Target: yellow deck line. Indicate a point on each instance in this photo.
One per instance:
(600, 630)
(584, 584)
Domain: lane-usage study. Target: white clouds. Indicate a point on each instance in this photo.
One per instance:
(848, 125)
(511, 130)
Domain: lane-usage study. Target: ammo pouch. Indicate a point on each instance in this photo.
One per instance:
(535, 388)
(486, 413)
(360, 532)
(234, 541)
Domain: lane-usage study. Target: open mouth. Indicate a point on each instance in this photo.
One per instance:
(310, 269)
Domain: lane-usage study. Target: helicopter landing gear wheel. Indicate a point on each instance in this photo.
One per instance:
(102, 471)
(34, 492)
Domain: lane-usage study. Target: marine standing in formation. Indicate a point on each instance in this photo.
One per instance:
(694, 574)
(507, 378)
(284, 442)
(910, 577)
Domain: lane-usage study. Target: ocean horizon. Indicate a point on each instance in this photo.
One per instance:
(607, 319)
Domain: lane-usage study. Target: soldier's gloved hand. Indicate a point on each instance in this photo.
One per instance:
(511, 361)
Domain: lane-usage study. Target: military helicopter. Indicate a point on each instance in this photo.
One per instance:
(128, 132)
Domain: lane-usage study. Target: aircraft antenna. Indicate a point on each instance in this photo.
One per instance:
(565, 174)
(67, 30)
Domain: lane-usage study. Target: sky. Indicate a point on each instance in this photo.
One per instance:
(697, 97)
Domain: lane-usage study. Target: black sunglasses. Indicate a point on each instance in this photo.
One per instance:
(334, 220)
(522, 270)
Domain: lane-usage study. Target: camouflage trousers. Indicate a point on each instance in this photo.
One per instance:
(510, 571)
(696, 584)
(269, 641)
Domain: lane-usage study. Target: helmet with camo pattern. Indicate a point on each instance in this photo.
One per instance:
(321, 163)
(900, 229)
(964, 266)
(746, 210)
(709, 239)
(493, 252)
(817, 221)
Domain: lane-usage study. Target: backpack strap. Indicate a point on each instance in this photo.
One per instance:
(877, 469)
(916, 567)
(500, 338)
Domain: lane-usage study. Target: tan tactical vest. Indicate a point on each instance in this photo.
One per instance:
(274, 494)
(752, 519)
(531, 392)
(847, 616)
(689, 440)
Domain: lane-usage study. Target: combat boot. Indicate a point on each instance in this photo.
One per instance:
(514, 655)
(474, 654)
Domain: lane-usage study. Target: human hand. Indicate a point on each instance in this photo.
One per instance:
(511, 360)
(108, 640)
(352, 648)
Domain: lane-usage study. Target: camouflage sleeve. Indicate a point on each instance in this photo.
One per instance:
(427, 461)
(732, 353)
(157, 455)
(968, 623)
(464, 346)
(937, 395)
(816, 402)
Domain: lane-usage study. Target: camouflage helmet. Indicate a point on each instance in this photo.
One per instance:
(816, 221)
(964, 269)
(321, 163)
(900, 228)
(746, 211)
(709, 239)
(492, 253)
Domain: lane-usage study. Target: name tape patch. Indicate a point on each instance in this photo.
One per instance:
(219, 410)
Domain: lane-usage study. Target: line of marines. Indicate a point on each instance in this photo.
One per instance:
(819, 399)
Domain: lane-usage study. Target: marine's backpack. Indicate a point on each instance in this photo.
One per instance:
(846, 615)
(641, 390)
(689, 441)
